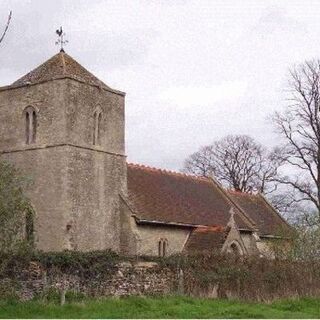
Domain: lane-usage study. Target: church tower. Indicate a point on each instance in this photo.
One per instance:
(64, 129)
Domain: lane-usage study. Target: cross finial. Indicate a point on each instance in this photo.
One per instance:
(61, 40)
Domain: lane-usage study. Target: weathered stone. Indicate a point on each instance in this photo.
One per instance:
(123, 282)
(76, 184)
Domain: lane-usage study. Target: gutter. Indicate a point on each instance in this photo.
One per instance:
(246, 230)
(177, 224)
(270, 236)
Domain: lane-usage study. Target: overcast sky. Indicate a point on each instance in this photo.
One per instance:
(193, 71)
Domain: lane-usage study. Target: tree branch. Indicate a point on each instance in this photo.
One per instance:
(6, 27)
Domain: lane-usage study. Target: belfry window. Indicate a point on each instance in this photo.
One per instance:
(162, 247)
(30, 125)
(97, 128)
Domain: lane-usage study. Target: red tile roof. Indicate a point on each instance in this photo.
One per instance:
(163, 196)
(205, 240)
(267, 219)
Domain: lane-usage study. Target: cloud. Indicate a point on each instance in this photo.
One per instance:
(193, 96)
(193, 70)
(277, 19)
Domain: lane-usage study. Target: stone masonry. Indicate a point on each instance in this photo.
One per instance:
(76, 183)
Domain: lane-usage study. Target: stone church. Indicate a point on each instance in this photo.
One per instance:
(64, 128)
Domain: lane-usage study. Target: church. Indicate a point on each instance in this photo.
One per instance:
(64, 128)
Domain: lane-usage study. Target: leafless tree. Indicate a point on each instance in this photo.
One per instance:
(299, 125)
(237, 162)
(6, 27)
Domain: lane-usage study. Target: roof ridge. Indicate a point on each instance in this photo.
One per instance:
(63, 62)
(166, 171)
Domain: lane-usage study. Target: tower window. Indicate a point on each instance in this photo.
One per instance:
(30, 125)
(97, 116)
(162, 247)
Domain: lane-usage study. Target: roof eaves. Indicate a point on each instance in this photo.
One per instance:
(271, 236)
(167, 223)
(246, 230)
(106, 88)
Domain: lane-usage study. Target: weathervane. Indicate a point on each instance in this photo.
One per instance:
(61, 41)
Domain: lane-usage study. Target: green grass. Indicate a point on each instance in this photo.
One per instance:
(164, 307)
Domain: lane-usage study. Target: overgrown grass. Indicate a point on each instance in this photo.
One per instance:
(159, 307)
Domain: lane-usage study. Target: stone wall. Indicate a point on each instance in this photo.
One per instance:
(75, 184)
(150, 235)
(101, 275)
(143, 239)
(126, 278)
(46, 167)
(249, 242)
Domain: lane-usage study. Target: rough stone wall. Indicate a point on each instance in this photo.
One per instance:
(48, 99)
(150, 236)
(129, 235)
(82, 101)
(96, 173)
(249, 242)
(215, 276)
(44, 162)
(93, 187)
(128, 278)
(47, 170)
(76, 185)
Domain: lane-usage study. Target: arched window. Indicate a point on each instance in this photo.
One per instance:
(30, 116)
(162, 247)
(29, 226)
(97, 116)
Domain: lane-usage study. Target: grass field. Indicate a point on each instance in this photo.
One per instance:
(166, 307)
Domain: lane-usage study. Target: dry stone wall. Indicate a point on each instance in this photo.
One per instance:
(100, 274)
(125, 278)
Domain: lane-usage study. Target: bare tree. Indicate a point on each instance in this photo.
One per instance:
(237, 162)
(6, 27)
(299, 125)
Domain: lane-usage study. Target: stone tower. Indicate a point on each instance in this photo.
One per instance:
(65, 129)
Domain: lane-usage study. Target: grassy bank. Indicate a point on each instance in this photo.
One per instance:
(169, 307)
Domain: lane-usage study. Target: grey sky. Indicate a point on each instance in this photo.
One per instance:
(193, 71)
